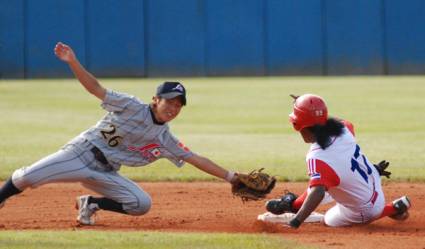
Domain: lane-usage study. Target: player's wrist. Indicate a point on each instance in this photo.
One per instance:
(73, 62)
(229, 176)
(294, 223)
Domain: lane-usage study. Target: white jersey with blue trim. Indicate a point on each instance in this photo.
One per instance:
(343, 163)
(128, 134)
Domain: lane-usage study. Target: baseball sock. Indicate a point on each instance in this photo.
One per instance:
(299, 201)
(8, 190)
(107, 204)
(388, 210)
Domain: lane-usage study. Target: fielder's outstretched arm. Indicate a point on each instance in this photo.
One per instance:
(210, 167)
(90, 83)
(310, 204)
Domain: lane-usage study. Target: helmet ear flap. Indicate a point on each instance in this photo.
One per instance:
(293, 121)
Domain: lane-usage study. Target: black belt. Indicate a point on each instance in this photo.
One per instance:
(98, 155)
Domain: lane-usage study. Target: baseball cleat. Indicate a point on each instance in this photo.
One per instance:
(275, 206)
(282, 205)
(401, 205)
(85, 210)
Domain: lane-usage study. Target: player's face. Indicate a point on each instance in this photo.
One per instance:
(307, 135)
(167, 109)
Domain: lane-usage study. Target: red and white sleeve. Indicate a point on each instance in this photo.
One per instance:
(321, 174)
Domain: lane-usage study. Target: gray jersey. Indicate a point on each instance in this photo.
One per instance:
(128, 134)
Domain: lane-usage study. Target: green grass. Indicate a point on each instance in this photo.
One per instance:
(139, 240)
(241, 123)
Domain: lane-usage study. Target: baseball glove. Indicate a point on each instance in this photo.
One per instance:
(253, 186)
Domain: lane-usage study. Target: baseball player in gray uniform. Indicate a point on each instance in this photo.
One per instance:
(132, 133)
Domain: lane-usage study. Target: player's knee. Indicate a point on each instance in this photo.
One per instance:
(20, 179)
(328, 222)
(141, 206)
(332, 220)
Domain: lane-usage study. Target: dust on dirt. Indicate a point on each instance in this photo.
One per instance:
(209, 207)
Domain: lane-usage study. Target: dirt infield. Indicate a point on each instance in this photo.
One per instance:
(209, 207)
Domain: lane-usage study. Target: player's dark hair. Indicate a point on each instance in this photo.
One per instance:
(323, 133)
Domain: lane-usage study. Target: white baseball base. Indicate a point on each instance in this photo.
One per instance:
(314, 217)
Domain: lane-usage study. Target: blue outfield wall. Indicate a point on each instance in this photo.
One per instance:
(405, 36)
(49, 21)
(294, 37)
(175, 38)
(354, 37)
(115, 38)
(12, 37)
(153, 38)
(234, 37)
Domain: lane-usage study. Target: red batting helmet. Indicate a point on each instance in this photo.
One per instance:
(309, 110)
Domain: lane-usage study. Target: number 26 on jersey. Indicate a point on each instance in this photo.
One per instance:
(108, 134)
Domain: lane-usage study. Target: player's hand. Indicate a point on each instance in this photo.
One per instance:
(64, 52)
(382, 168)
(294, 224)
